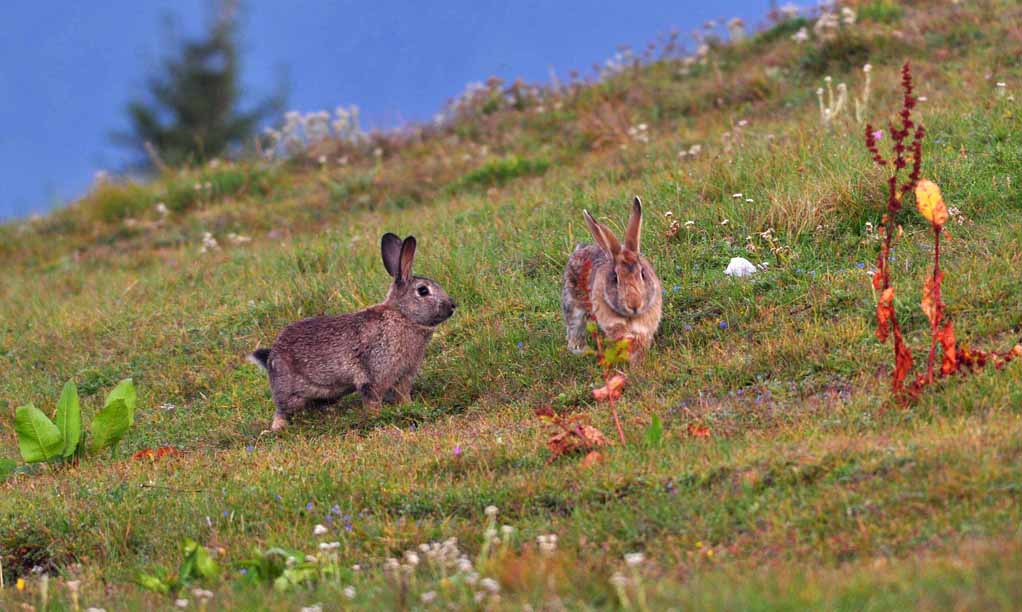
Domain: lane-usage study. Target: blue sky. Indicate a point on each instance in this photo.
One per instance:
(68, 68)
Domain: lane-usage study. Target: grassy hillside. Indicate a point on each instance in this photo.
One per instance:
(813, 488)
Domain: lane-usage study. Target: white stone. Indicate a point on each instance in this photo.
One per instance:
(739, 267)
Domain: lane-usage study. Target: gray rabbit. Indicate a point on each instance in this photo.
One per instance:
(319, 360)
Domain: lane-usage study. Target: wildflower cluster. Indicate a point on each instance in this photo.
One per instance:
(442, 571)
(831, 110)
(628, 584)
(830, 22)
(301, 132)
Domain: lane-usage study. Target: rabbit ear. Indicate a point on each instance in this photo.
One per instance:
(407, 257)
(603, 236)
(390, 250)
(634, 226)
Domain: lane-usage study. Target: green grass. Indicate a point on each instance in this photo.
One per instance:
(814, 489)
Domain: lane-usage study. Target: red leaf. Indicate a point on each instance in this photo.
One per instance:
(157, 454)
(698, 431)
(572, 434)
(902, 360)
(612, 390)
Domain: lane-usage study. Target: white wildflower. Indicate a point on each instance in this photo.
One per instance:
(209, 243)
(349, 592)
(736, 29)
(634, 559)
(428, 597)
(490, 585)
(319, 530)
(491, 511)
(801, 36)
(180, 603)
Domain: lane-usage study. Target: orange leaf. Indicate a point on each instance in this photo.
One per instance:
(591, 459)
(931, 203)
(885, 312)
(612, 390)
(698, 431)
(946, 337)
(928, 304)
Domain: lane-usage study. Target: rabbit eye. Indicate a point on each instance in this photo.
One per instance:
(643, 272)
(423, 290)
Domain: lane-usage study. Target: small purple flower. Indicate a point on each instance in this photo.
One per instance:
(676, 288)
(860, 265)
(243, 571)
(309, 506)
(722, 325)
(249, 448)
(457, 451)
(878, 135)
(226, 513)
(688, 327)
(278, 497)
(347, 527)
(521, 345)
(335, 509)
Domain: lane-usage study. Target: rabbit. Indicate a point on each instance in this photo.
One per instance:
(374, 351)
(623, 290)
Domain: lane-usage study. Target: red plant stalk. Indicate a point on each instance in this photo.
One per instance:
(583, 297)
(606, 378)
(887, 321)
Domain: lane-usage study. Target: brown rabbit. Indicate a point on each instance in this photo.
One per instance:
(373, 351)
(622, 287)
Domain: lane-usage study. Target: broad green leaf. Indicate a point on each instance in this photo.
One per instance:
(69, 418)
(655, 431)
(184, 571)
(152, 583)
(110, 425)
(205, 564)
(38, 438)
(125, 390)
(7, 467)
